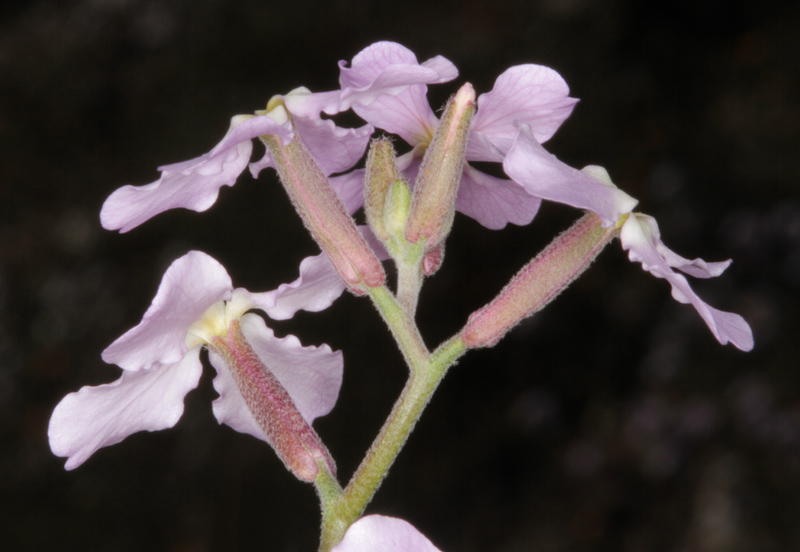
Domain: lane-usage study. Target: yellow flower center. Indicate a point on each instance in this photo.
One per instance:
(217, 318)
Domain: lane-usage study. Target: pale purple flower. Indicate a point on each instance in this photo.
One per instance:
(641, 238)
(544, 176)
(531, 95)
(383, 69)
(376, 74)
(383, 534)
(195, 184)
(161, 363)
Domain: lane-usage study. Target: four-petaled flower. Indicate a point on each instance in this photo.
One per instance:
(641, 238)
(527, 104)
(195, 184)
(160, 357)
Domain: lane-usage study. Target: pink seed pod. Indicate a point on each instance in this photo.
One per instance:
(325, 216)
(538, 283)
(294, 440)
(433, 205)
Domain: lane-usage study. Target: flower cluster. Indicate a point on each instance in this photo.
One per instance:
(274, 388)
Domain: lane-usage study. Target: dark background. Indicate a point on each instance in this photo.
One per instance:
(612, 421)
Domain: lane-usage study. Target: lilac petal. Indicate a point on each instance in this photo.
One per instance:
(645, 247)
(229, 408)
(312, 104)
(696, 267)
(350, 189)
(191, 184)
(190, 285)
(335, 149)
(442, 67)
(408, 114)
(387, 68)
(494, 202)
(481, 148)
(96, 417)
(544, 176)
(388, 63)
(317, 287)
(528, 94)
(374, 243)
(372, 85)
(385, 534)
(311, 375)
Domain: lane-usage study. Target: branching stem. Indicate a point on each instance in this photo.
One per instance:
(427, 371)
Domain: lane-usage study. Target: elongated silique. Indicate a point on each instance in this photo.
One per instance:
(294, 440)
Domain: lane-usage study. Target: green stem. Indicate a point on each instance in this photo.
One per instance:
(446, 355)
(427, 372)
(330, 492)
(409, 282)
(409, 279)
(403, 328)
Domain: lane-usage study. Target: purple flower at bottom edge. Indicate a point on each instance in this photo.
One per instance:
(160, 357)
(383, 534)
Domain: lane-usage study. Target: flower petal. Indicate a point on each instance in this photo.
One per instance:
(494, 202)
(96, 417)
(408, 114)
(350, 189)
(529, 94)
(317, 287)
(481, 148)
(387, 68)
(311, 375)
(310, 105)
(335, 149)
(544, 176)
(385, 534)
(190, 285)
(645, 247)
(191, 184)
(385, 86)
(696, 267)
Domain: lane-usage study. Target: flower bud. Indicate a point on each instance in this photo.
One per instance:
(439, 175)
(324, 215)
(432, 259)
(294, 440)
(539, 281)
(381, 172)
(396, 209)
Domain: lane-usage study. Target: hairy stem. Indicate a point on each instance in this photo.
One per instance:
(427, 372)
(409, 283)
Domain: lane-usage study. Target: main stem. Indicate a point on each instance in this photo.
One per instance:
(409, 281)
(427, 371)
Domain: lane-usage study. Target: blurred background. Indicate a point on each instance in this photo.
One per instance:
(612, 421)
